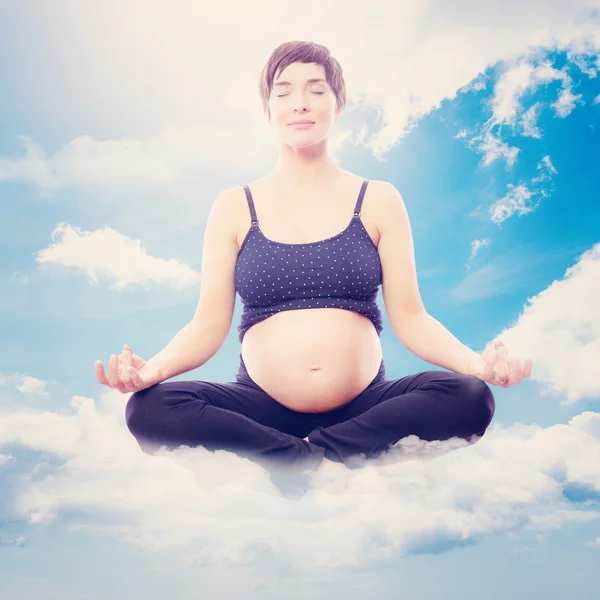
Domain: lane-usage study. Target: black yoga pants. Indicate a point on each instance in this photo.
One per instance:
(240, 417)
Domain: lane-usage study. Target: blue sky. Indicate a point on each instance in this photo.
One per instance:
(117, 129)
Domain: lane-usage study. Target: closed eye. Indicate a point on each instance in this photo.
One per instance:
(282, 95)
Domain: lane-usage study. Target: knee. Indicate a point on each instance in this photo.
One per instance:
(140, 410)
(482, 403)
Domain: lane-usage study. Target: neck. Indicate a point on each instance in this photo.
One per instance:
(305, 168)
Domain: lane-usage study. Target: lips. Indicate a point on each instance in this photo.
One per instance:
(302, 122)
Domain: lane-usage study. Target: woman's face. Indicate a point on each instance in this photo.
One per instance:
(301, 98)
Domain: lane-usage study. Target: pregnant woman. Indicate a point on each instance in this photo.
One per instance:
(306, 247)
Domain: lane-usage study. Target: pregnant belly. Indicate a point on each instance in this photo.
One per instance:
(312, 360)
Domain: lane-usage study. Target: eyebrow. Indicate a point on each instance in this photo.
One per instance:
(308, 81)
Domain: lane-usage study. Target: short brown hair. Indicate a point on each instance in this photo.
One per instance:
(305, 52)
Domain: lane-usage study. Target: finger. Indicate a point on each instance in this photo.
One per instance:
(121, 387)
(489, 355)
(497, 356)
(113, 366)
(100, 374)
(490, 350)
(120, 367)
(137, 361)
(513, 377)
(515, 372)
(500, 375)
(126, 377)
(498, 344)
(488, 372)
(497, 379)
(503, 365)
(497, 373)
(136, 379)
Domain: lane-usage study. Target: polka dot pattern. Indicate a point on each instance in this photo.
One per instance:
(343, 271)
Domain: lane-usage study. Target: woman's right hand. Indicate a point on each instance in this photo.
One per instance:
(127, 372)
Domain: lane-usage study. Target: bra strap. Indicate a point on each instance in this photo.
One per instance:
(361, 195)
(254, 220)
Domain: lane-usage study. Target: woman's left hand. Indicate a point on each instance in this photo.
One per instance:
(494, 366)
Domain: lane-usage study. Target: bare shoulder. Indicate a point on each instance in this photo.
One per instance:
(237, 202)
(229, 196)
(225, 210)
(383, 192)
(384, 202)
(234, 205)
(235, 198)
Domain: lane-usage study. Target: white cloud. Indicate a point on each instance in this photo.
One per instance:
(108, 253)
(559, 327)
(528, 122)
(547, 163)
(476, 245)
(523, 75)
(566, 102)
(152, 161)
(207, 112)
(518, 80)
(512, 478)
(26, 384)
(515, 82)
(583, 53)
(32, 385)
(4, 458)
(18, 541)
(493, 148)
(476, 85)
(224, 510)
(547, 170)
(559, 518)
(515, 201)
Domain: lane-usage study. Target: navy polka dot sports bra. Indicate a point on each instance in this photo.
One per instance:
(343, 271)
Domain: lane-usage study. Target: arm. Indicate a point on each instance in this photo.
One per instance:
(430, 340)
(190, 348)
(413, 325)
(202, 337)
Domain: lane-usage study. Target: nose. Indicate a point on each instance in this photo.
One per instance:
(300, 104)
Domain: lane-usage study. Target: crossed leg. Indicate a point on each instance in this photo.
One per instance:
(231, 416)
(433, 405)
